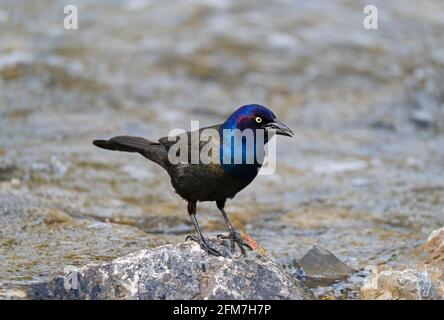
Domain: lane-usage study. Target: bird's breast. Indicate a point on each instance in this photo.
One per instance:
(205, 182)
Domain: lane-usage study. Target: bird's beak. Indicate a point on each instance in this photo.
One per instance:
(280, 128)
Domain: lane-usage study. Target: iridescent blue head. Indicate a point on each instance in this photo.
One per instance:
(253, 117)
(256, 116)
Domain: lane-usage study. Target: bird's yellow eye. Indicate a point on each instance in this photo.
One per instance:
(258, 119)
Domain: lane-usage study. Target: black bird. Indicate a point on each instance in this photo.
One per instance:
(215, 181)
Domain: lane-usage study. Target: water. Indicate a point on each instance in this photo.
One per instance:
(362, 176)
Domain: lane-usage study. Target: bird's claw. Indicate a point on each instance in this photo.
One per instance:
(235, 238)
(203, 244)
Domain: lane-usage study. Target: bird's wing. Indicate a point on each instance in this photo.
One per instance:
(169, 143)
(207, 139)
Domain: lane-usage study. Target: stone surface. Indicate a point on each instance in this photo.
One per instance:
(407, 284)
(422, 282)
(182, 271)
(434, 263)
(321, 264)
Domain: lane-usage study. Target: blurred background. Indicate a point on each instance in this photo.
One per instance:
(363, 175)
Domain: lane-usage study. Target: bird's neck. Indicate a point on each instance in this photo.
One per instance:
(241, 152)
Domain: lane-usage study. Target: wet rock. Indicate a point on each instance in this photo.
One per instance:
(320, 265)
(423, 282)
(393, 285)
(11, 293)
(182, 271)
(435, 247)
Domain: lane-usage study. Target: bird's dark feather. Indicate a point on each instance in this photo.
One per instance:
(193, 182)
(149, 149)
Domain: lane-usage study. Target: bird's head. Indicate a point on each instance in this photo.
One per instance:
(256, 116)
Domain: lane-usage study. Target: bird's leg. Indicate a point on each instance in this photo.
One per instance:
(233, 235)
(199, 238)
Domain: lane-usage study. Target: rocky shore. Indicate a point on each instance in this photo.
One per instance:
(423, 281)
(182, 271)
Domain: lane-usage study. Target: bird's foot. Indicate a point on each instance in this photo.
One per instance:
(235, 238)
(203, 244)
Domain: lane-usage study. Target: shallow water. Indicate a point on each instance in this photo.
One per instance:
(362, 176)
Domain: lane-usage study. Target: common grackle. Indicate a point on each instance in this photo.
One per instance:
(211, 181)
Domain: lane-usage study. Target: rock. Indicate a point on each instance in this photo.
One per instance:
(422, 282)
(435, 247)
(322, 265)
(393, 285)
(11, 293)
(182, 271)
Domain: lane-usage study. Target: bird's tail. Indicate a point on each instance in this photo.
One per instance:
(149, 149)
(125, 143)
